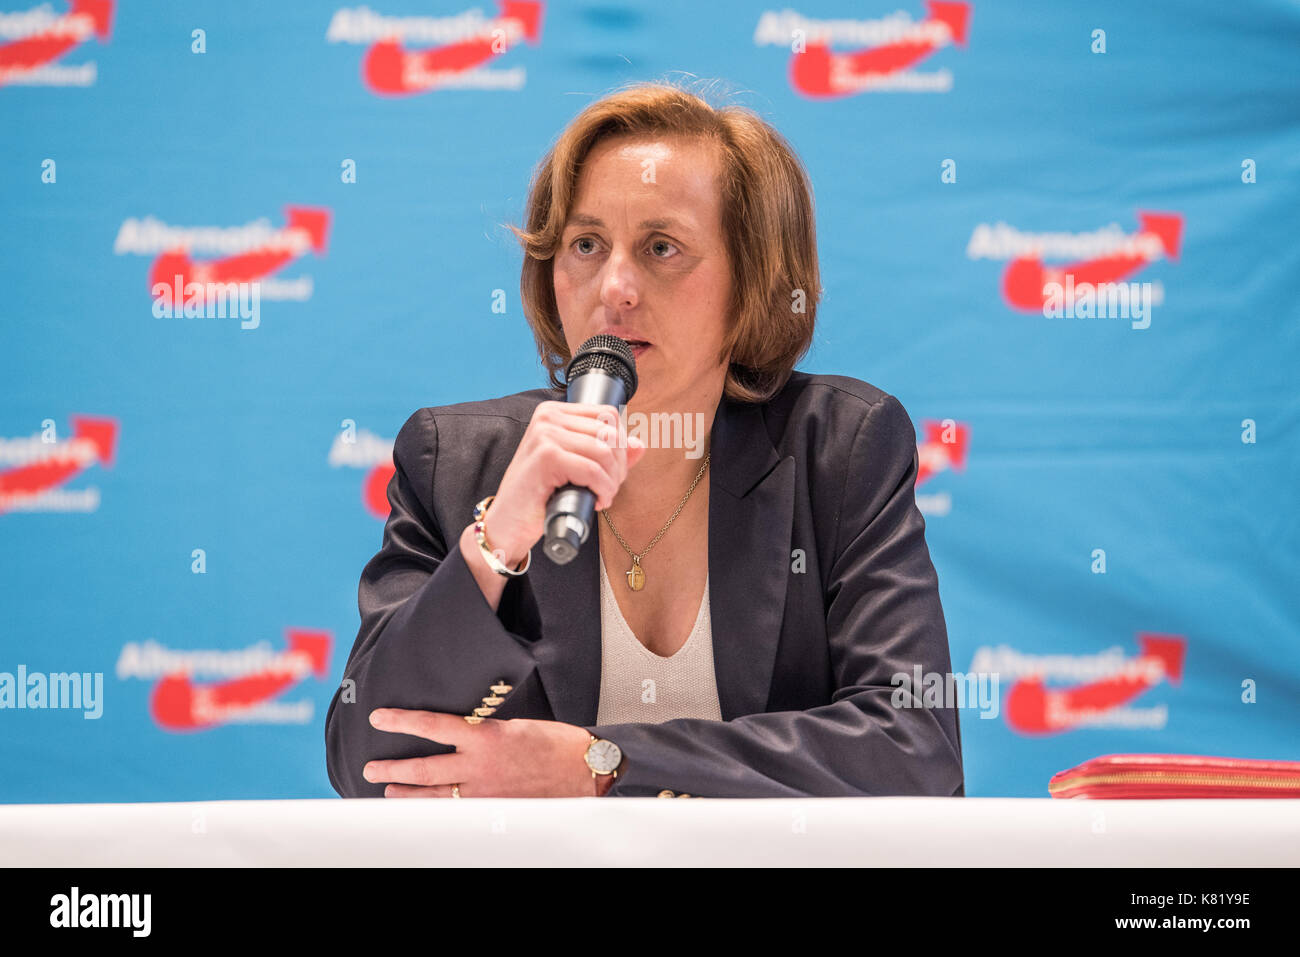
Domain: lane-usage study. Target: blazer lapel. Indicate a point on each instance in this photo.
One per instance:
(568, 655)
(751, 508)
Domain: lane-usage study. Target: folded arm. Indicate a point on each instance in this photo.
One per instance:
(883, 617)
(428, 638)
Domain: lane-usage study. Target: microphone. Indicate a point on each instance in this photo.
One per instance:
(603, 372)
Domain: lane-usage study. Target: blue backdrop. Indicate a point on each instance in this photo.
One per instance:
(187, 503)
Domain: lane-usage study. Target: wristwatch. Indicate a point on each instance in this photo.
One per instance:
(603, 757)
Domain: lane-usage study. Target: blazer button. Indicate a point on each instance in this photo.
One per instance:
(665, 793)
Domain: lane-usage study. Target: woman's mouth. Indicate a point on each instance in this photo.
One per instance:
(638, 347)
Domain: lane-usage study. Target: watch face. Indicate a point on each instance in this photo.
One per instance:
(603, 756)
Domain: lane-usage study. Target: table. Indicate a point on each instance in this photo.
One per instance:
(505, 832)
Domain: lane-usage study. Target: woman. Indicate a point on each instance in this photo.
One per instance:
(734, 626)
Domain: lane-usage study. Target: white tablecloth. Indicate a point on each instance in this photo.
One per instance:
(676, 832)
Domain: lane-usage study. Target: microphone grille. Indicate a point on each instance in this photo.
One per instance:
(607, 354)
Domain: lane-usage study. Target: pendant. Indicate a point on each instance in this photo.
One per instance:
(635, 576)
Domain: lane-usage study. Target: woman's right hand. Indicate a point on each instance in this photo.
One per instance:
(566, 443)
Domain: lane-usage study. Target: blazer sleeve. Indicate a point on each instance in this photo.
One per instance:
(883, 616)
(428, 638)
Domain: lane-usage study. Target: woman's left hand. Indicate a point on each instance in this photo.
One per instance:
(518, 757)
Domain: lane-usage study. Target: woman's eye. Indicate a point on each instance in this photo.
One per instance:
(657, 247)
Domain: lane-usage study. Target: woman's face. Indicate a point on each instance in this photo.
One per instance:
(642, 257)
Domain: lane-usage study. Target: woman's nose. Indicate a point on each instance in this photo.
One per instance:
(618, 283)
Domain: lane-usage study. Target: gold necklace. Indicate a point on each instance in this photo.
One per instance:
(635, 574)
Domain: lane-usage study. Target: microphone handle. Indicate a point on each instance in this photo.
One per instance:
(570, 509)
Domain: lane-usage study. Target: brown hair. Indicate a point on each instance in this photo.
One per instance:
(767, 224)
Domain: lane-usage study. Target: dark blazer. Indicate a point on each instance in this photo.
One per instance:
(820, 583)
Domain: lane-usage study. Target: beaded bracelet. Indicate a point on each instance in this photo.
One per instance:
(480, 534)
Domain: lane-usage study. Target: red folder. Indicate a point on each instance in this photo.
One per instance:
(1177, 776)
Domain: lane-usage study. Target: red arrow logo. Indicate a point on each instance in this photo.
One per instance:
(305, 227)
(83, 18)
(934, 455)
(1025, 276)
(819, 73)
(1033, 708)
(93, 440)
(177, 704)
(390, 70)
(374, 490)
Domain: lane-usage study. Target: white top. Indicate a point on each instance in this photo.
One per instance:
(636, 685)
